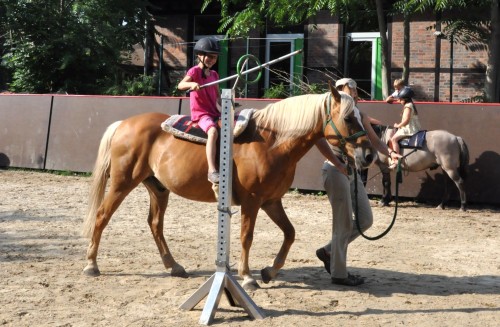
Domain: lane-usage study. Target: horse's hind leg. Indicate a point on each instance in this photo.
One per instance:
(276, 212)
(249, 211)
(158, 205)
(459, 182)
(111, 202)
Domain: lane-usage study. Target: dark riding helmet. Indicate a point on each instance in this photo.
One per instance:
(406, 93)
(207, 45)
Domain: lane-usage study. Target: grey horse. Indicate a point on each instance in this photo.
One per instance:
(440, 149)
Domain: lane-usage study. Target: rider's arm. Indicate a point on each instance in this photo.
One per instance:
(376, 141)
(188, 84)
(405, 119)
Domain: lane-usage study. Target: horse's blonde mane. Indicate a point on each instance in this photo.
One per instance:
(296, 116)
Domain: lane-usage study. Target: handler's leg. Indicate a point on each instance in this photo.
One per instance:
(365, 214)
(338, 189)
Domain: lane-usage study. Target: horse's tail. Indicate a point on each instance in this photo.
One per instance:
(464, 158)
(100, 176)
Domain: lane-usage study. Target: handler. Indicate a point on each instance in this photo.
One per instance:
(339, 186)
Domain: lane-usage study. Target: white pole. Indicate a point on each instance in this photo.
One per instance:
(251, 70)
(222, 280)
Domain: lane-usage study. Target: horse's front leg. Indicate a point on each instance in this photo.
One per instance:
(158, 205)
(386, 185)
(446, 195)
(248, 217)
(277, 213)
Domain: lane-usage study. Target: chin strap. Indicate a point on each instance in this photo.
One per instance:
(204, 66)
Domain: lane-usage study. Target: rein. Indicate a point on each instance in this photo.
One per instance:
(399, 180)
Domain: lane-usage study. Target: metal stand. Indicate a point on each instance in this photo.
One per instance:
(222, 279)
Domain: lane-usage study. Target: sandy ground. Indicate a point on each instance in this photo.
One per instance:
(435, 268)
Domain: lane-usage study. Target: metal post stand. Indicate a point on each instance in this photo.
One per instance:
(222, 279)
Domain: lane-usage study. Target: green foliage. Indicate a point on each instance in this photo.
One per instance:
(282, 91)
(139, 85)
(239, 17)
(316, 88)
(278, 91)
(66, 46)
(465, 22)
(53, 172)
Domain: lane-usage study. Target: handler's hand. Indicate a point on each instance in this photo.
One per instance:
(342, 168)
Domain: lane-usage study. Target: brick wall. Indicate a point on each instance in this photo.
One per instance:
(429, 56)
(430, 59)
(324, 48)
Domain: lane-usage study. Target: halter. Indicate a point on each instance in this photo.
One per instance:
(343, 140)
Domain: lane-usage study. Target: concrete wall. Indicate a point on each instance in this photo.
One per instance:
(476, 124)
(63, 133)
(24, 128)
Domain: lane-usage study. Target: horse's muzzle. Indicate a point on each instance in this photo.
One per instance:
(364, 157)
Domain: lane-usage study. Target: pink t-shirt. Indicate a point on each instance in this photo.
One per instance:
(204, 101)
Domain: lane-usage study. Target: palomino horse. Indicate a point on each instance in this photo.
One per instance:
(440, 149)
(137, 150)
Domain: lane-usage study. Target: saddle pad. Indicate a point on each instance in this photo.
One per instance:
(416, 141)
(181, 126)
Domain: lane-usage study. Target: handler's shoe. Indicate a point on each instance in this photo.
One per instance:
(213, 177)
(350, 280)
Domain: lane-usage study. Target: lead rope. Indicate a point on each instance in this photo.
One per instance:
(399, 180)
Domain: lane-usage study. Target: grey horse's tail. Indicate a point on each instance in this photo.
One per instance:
(464, 158)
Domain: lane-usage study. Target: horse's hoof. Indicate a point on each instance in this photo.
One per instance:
(91, 271)
(178, 271)
(383, 204)
(441, 207)
(250, 284)
(266, 275)
(215, 189)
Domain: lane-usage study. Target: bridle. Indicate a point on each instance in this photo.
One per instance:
(343, 140)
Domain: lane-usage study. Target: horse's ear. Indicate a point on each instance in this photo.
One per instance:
(333, 90)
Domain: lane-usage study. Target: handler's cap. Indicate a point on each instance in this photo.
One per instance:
(343, 81)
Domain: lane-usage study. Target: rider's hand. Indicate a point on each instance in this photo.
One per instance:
(194, 87)
(394, 155)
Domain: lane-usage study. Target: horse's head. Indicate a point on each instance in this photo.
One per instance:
(344, 129)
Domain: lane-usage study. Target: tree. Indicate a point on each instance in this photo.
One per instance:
(239, 17)
(492, 88)
(384, 44)
(72, 46)
(474, 31)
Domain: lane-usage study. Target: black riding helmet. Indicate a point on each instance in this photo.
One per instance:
(207, 45)
(204, 46)
(406, 93)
